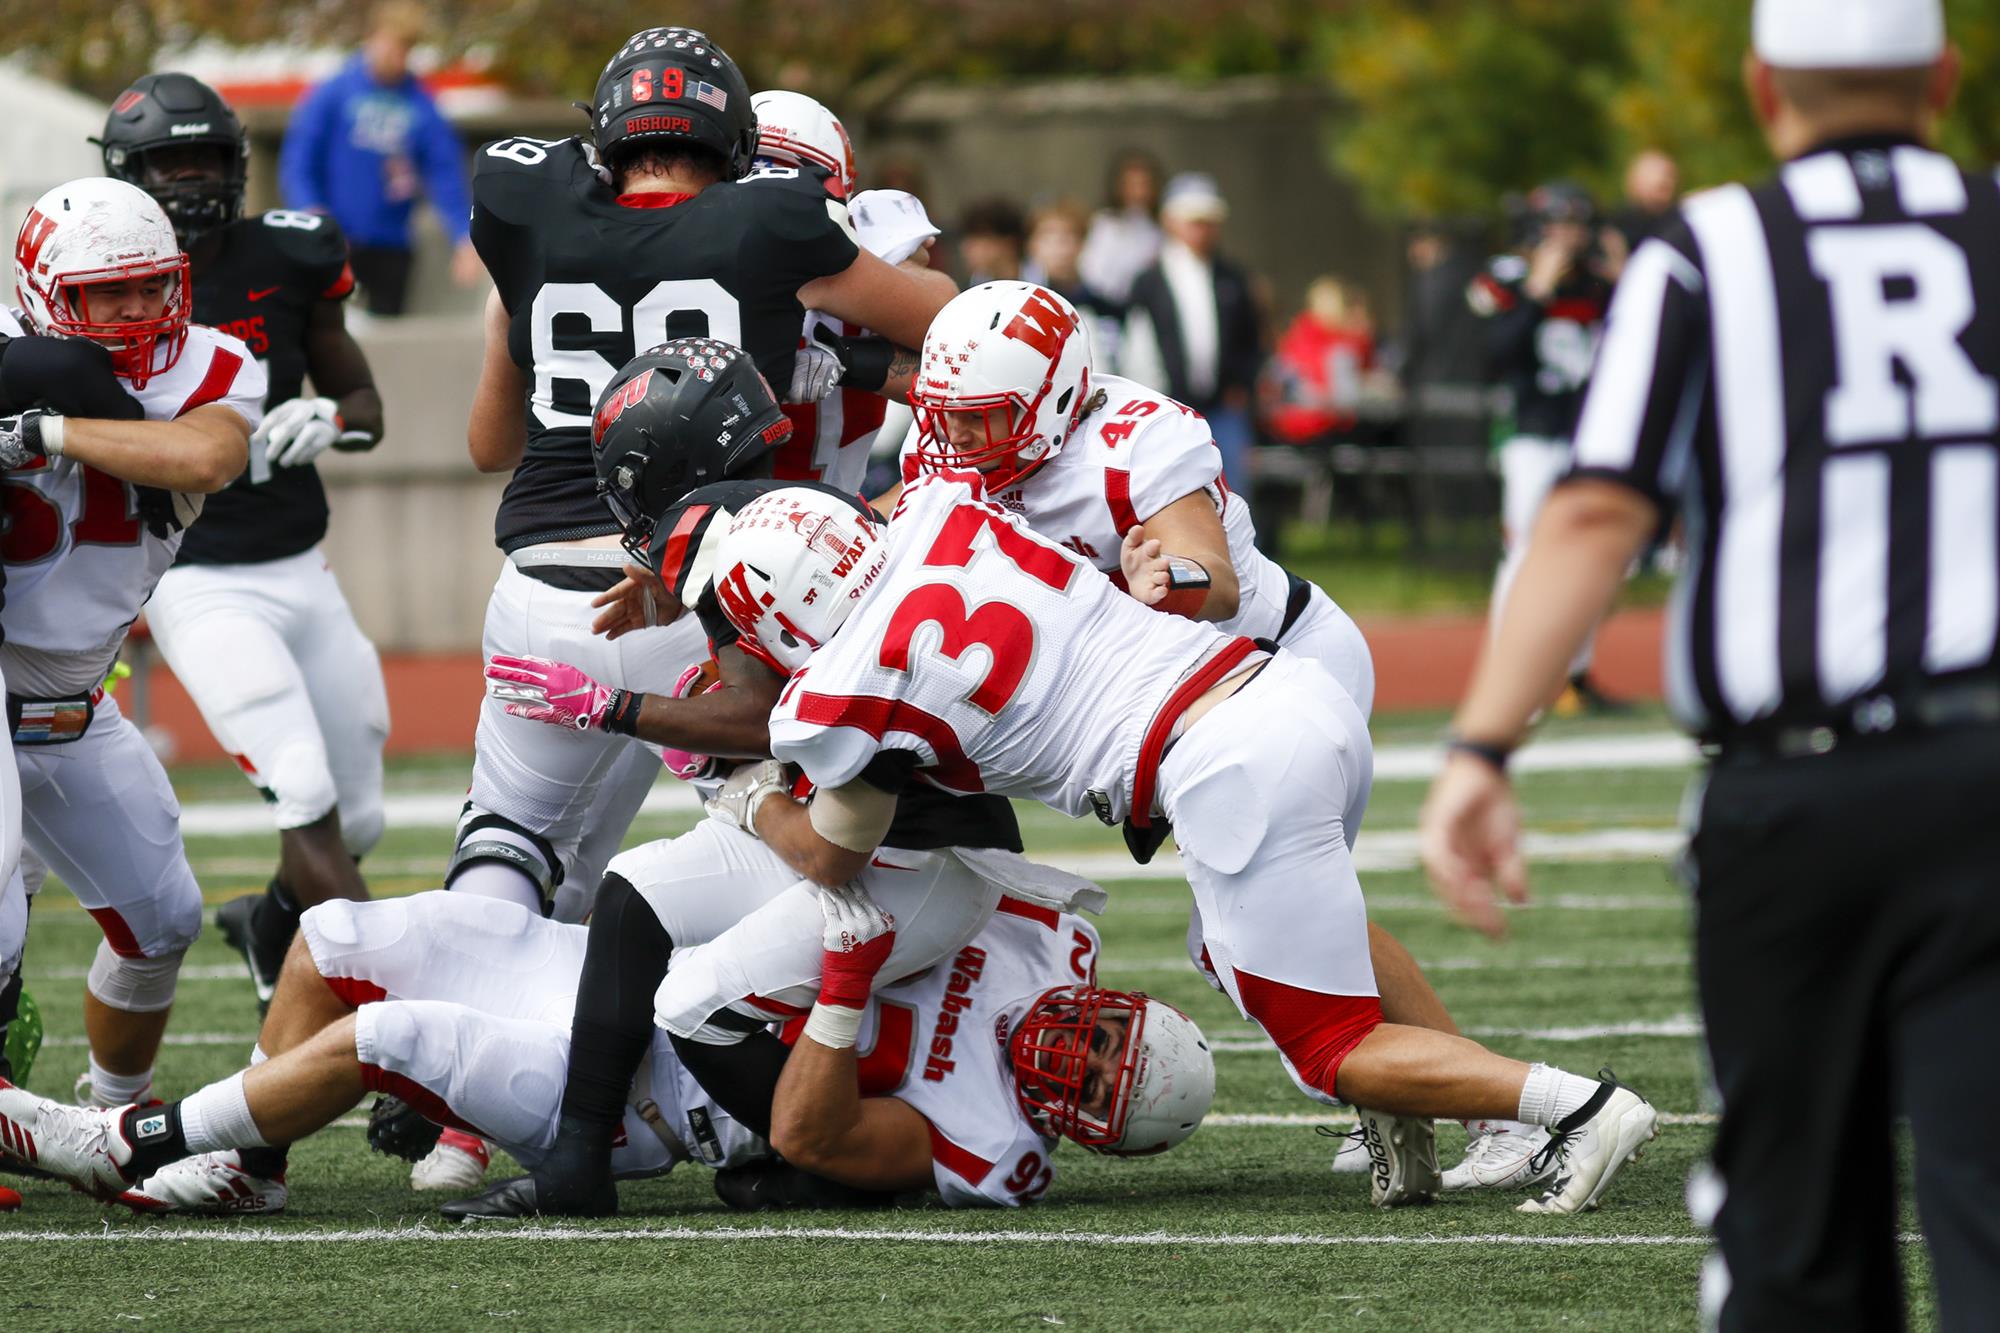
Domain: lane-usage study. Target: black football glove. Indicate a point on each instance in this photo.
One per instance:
(397, 1128)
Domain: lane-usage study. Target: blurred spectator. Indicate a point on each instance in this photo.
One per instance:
(1055, 243)
(365, 145)
(1652, 188)
(1125, 236)
(1193, 329)
(1322, 364)
(991, 237)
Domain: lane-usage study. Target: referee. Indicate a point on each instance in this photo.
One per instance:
(1807, 376)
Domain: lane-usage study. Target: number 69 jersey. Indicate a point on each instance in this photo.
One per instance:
(1002, 661)
(939, 1044)
(80, 559)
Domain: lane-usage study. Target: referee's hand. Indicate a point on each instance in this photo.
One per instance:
(1470, 833)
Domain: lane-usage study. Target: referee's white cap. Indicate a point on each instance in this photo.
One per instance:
(1848, 34)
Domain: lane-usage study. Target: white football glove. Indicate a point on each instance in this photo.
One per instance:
(746, 789)
(816, 372)
(299, 430)
(18, 440)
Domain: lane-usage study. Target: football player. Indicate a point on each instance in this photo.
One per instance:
(974, 651)
(695, 414)
(651, 226)
(250, 617)
(461, 1010)
(119, 417)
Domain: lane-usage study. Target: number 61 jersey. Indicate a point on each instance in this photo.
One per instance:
(1002, 661)
(591, 278)
(80, 559)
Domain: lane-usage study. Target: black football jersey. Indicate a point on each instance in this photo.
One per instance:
(261, 287)
(926, 818)
(589, 282)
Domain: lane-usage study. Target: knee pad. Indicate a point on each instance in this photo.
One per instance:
(300, 783)
(135, 985)
(495, 839)
(361, 827)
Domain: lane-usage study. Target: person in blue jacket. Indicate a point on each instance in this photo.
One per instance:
(365, 145)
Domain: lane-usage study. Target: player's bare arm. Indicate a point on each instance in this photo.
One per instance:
(202, 451)
(339, 371)
(1587, 536)
(895, 303)
(821, 1123)
(497, 433)
(1178, 560)
(829, 839)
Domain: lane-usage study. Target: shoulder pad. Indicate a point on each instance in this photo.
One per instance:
(311, 242)
(512, 176)
(788, 204)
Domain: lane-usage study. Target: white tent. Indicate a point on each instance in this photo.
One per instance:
(44, 133)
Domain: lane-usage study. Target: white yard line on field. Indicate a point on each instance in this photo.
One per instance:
(1579, 754)
(505, 1232)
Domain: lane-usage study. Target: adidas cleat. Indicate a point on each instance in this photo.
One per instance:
(212, 1184)
(81, 1145)
(1402, 1158)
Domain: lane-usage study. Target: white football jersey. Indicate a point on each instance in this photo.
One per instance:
(80, 561)
(975, 619)
(1126, 462)
(939, 1043)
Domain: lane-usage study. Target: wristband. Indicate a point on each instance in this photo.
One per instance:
(45, 433)
(864, 362)
(621, 715)
(1494, 755)
(1187, 587)
(834, 1025)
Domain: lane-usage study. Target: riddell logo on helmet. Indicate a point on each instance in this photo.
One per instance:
(199, 127)
(632, 391)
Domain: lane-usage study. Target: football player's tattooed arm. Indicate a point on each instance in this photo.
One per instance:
(497, 434)
(339, 370)
(893, 302)
(1188, 530)
(821, 1123)
(733, 722)
(201, 451)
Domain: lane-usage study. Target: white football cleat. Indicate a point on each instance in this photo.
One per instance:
(81, 1145)
(1502, 1159)
(458, 1164)
(1351, 1157)
(1589, 1146)
(210, 1184)
(1402, 1158)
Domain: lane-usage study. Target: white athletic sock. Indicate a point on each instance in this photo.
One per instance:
(490, 879)
(257, 1056)
(1550, 1094)
(109, 1089)
(218, 1117)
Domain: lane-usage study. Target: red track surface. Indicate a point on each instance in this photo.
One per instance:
(1420, 663)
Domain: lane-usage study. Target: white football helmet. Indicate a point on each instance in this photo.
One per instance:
(1008, 365)
(97, 230)
(793, 128)
(790, 570)
(1155, 1096)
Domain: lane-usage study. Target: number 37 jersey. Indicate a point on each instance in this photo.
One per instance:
(80, 559)
(1003, 661)
(591, 278)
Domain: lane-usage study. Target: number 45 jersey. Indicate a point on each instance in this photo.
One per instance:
(590, 278)
(1004, 662)
(80, 559)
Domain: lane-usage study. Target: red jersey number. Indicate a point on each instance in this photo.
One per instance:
(1004, 631)
(34, 523)
(1030, 1177)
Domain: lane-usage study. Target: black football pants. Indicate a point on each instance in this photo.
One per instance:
(1848, 955)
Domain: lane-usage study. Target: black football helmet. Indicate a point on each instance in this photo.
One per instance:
(675, 417)
(674, 85)
(175, 111)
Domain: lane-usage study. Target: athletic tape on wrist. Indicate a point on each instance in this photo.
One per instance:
(622, 716)
(834, 1026)
(49, 426)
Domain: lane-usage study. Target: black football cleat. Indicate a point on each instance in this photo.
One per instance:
(237, 920)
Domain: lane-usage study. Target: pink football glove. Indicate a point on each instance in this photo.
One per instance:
(686, 764)
(545, 691)
(857, 939)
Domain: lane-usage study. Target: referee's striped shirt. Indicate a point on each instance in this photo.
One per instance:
(1805, 373)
